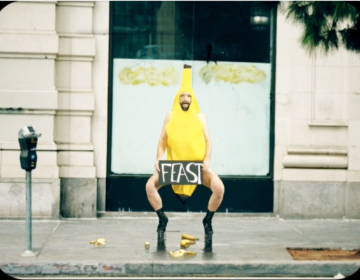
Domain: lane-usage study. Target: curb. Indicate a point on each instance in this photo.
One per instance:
(179, 268)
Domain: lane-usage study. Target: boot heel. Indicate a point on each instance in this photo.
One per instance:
(208, 236)
(161, 235)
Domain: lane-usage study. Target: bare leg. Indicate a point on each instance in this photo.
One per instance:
(212, 181)
(152, 188)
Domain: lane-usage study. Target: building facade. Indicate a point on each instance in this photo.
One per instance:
(58, 73)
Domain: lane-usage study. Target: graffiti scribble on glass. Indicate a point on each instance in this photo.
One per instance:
(151, 75)
(231, 73)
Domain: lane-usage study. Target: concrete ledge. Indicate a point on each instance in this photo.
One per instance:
(78, 198)
(45, 198)
(184, 269)
(101, 195)
(352, 210)
(314, 175)
(308, 200)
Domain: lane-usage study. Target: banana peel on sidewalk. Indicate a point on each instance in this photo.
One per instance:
(100, 242)
(187, 241)
(182, 253)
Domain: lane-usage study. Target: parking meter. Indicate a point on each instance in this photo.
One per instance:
(28, 138)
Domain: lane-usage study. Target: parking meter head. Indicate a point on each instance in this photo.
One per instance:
(28, 138)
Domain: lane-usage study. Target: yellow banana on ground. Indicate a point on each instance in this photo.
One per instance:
(186, 236)
(190, 253)
(186, 243)
(98, 242)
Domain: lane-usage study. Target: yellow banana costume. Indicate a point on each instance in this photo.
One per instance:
(185, 131)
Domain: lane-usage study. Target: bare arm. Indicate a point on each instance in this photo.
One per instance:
(208, 147)
(162, 141)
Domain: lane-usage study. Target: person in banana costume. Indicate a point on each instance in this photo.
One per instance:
(185, 135)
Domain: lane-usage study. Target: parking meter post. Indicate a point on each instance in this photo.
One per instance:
(28, 212)
(28, 140)
(28, 252)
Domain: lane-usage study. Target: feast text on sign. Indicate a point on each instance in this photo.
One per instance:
(180, 172)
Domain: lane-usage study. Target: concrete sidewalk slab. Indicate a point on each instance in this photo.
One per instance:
(243, 246)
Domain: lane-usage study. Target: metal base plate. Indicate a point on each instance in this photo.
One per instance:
(28, 253)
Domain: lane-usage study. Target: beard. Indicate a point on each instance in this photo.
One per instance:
(183, 107)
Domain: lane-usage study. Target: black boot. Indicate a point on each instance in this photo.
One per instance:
(161, 247)
(208, 228)
(163, 220)
(207, 222)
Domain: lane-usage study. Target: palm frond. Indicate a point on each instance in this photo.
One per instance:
(351, 36)
(343, 11)
(320, 21)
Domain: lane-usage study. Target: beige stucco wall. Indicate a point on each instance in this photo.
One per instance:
(316, 166)
(53, 65)
(317, 111)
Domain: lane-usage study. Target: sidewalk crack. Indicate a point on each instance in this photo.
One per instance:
(290, 226)
(47, 239)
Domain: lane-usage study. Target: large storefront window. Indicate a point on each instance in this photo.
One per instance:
(151, 41)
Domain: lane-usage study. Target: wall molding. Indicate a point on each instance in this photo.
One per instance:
(76, 3)
(75, 58)
(21, 111)
(85, 147)
(317, 150)
(316, 157)
(326, 122)
(27, 55)
(49, 146)
(74, 90)
(315, 161)
(339, 123)
(74, 113)
(27, 32)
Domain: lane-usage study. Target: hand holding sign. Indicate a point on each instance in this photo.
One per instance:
(181, 172)
(157, 168)
(206, 164)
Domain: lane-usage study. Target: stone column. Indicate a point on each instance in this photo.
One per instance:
(28, 48)
(99, 121)
(74, 26)
(352, 91)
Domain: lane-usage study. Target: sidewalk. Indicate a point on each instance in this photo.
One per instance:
(243, 246)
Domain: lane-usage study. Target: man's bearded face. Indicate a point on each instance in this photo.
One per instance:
(185, 101)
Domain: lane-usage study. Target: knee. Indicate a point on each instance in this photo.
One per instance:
(219, 190)
(150, 186)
